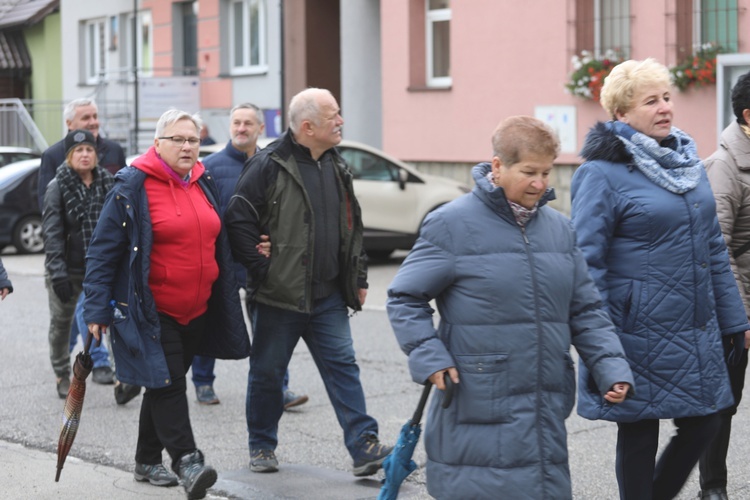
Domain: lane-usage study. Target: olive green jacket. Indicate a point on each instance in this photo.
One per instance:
(270, 198)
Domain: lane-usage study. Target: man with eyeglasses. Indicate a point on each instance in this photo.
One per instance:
(245, 127)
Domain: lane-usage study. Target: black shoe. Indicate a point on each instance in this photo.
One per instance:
(371, 457)
(291, 399)
(158, 475)
(263, 461)
(63, 386)
(126, 392)
(713, 494)
(103, 375)
(196, 477)
(206, 395)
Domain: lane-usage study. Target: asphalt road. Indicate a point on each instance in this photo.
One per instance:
(313, 459)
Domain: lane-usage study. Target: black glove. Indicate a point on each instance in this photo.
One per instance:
(738, 349)
(63, 288)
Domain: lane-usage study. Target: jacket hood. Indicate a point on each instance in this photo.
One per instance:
(152, 164)
(602, 144)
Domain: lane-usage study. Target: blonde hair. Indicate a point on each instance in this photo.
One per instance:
(518, 135)
(622, 84)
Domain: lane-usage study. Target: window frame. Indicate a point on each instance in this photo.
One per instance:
(698, 40)
(143, 71)
(247, 67)
(95, 49)
(431, 17)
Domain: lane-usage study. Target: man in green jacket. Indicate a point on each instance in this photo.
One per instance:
(298, 191)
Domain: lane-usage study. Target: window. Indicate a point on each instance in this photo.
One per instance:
(95, 50)
(602, 26)
(697, 23)
(144, 44)
(715, 21)
(247, 26)
(438, 43)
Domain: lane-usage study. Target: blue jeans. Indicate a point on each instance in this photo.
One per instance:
(99, 354)
(328, 336)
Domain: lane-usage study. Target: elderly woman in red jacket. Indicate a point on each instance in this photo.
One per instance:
(159, 272)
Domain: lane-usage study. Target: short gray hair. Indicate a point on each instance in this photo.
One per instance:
(247, 105)
(70, 109)
(172, 116)
(304, 106)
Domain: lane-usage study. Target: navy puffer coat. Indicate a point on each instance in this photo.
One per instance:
(661, 265)
(117, 269)
(511, 302)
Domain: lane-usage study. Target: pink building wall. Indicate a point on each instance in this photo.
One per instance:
(506, 59)
(216, 92)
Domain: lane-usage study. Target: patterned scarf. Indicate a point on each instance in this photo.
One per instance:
(83, 203)
(521, 213)
(675, 166)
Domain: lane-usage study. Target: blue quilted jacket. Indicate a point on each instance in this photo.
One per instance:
(117, 269)
(512, 300)
(661, 265)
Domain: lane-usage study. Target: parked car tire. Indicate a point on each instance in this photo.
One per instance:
(27, 235)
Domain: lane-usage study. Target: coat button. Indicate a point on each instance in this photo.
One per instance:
(123, 224)
(704, 265)
(135, 249)
(696, 205)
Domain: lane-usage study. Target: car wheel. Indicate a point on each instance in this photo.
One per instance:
(27, 235)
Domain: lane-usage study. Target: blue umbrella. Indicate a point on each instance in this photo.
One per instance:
(398, 465)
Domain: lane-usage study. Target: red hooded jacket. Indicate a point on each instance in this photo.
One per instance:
(185, 227)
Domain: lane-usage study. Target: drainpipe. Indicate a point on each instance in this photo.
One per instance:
(135, 74)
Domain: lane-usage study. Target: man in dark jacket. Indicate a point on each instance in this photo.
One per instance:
(299, 192)
(245, 127)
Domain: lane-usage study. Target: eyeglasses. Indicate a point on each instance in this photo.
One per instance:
(179, 141)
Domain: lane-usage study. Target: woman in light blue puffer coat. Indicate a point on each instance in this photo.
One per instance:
(513, 292)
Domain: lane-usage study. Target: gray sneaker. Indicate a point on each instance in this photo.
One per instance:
(157, 474)
(371, 457)
(206, 395)
(263, 461)
(291, 399)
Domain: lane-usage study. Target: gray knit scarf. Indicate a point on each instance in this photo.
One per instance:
(82, 203)
(675, 166)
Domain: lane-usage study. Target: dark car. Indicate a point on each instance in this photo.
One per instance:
(12, 154)
(20, 219)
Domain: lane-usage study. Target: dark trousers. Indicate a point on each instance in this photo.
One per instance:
(164, 421)
(713, 462)
(637, 444)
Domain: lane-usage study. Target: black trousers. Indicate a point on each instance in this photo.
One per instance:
(637, 444)
(164, 421)
(713, 462)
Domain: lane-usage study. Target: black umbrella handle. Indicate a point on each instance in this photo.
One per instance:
(422, 402)
(447, 397)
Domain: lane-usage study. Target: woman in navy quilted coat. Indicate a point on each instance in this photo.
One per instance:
(514, 293)
(646, 221)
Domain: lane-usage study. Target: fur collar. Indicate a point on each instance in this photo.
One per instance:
(602, 144)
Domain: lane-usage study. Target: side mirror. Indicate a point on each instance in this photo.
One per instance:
(403, 176)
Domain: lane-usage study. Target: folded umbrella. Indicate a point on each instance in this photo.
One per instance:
(74, 404)
(399, 464)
